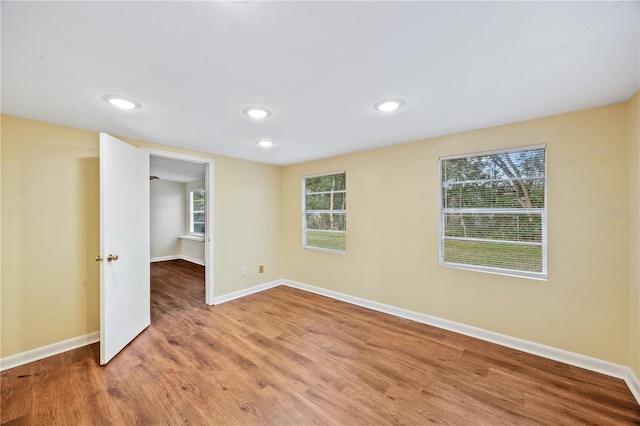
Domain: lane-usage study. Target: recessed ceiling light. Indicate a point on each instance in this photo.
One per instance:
(265, 143)
(122, 103)
(257, 112)
(389, 105)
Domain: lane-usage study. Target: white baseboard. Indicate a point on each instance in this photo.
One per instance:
(193, 260)
(49, 350)
(633, 383)
(246, 291)
(164, 258)
(560, 355)
(178, 257)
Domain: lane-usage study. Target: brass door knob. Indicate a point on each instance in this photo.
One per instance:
(98, 258)
(112, 257)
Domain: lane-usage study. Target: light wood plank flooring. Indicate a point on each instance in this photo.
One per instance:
(287, 357)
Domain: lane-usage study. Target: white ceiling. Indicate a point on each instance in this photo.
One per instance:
(318, 66)
(176, 170)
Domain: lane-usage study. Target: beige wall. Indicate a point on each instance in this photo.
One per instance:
(247, 211)
(634, 232)
(392, 235)
(50, 223)
(50, 201)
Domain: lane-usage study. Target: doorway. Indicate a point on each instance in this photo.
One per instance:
(125, 240)
(181, 188)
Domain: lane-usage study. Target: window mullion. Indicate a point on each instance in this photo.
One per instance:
(493, 211)
(324, 228)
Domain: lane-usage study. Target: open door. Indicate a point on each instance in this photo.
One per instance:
(124, 245)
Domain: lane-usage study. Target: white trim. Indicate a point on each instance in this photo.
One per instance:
(487, 240)
(178, 257)
(198, 238)
(336, 211)
(328, 231)
(633, 383)
(338, 172)
(496, 271)
(337, 191)
(193, 260)
(497, 151)
(324, 249)
(488, 210)
(247, 291)
(49, 350)
(464, 182)
(560, 355)
(164, 258)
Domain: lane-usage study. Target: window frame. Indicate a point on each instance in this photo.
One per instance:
(334, 211)
(542, 211)
(192, 211)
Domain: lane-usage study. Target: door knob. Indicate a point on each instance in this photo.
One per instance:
(98, 258)
(112, 257)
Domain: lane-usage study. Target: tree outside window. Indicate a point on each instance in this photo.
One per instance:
(196, 211)
(493, 216)
(325, 212)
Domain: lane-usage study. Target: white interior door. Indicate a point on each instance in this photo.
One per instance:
(124, 245)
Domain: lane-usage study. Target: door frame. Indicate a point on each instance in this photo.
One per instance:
(208, 228)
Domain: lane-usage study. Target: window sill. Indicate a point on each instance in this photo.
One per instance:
(324, 249)
(540, 276)
(199, 238)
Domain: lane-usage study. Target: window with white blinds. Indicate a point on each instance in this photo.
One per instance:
(494, 212)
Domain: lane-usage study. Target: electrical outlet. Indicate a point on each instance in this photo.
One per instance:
(261, 268)
(244, 271)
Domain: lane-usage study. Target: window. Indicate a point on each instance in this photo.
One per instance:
(196, 211)
(324, 208)
(493, 212)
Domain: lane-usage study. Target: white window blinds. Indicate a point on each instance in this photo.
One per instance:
(493, 212)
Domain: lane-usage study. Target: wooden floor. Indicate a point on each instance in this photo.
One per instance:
(287, 357)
